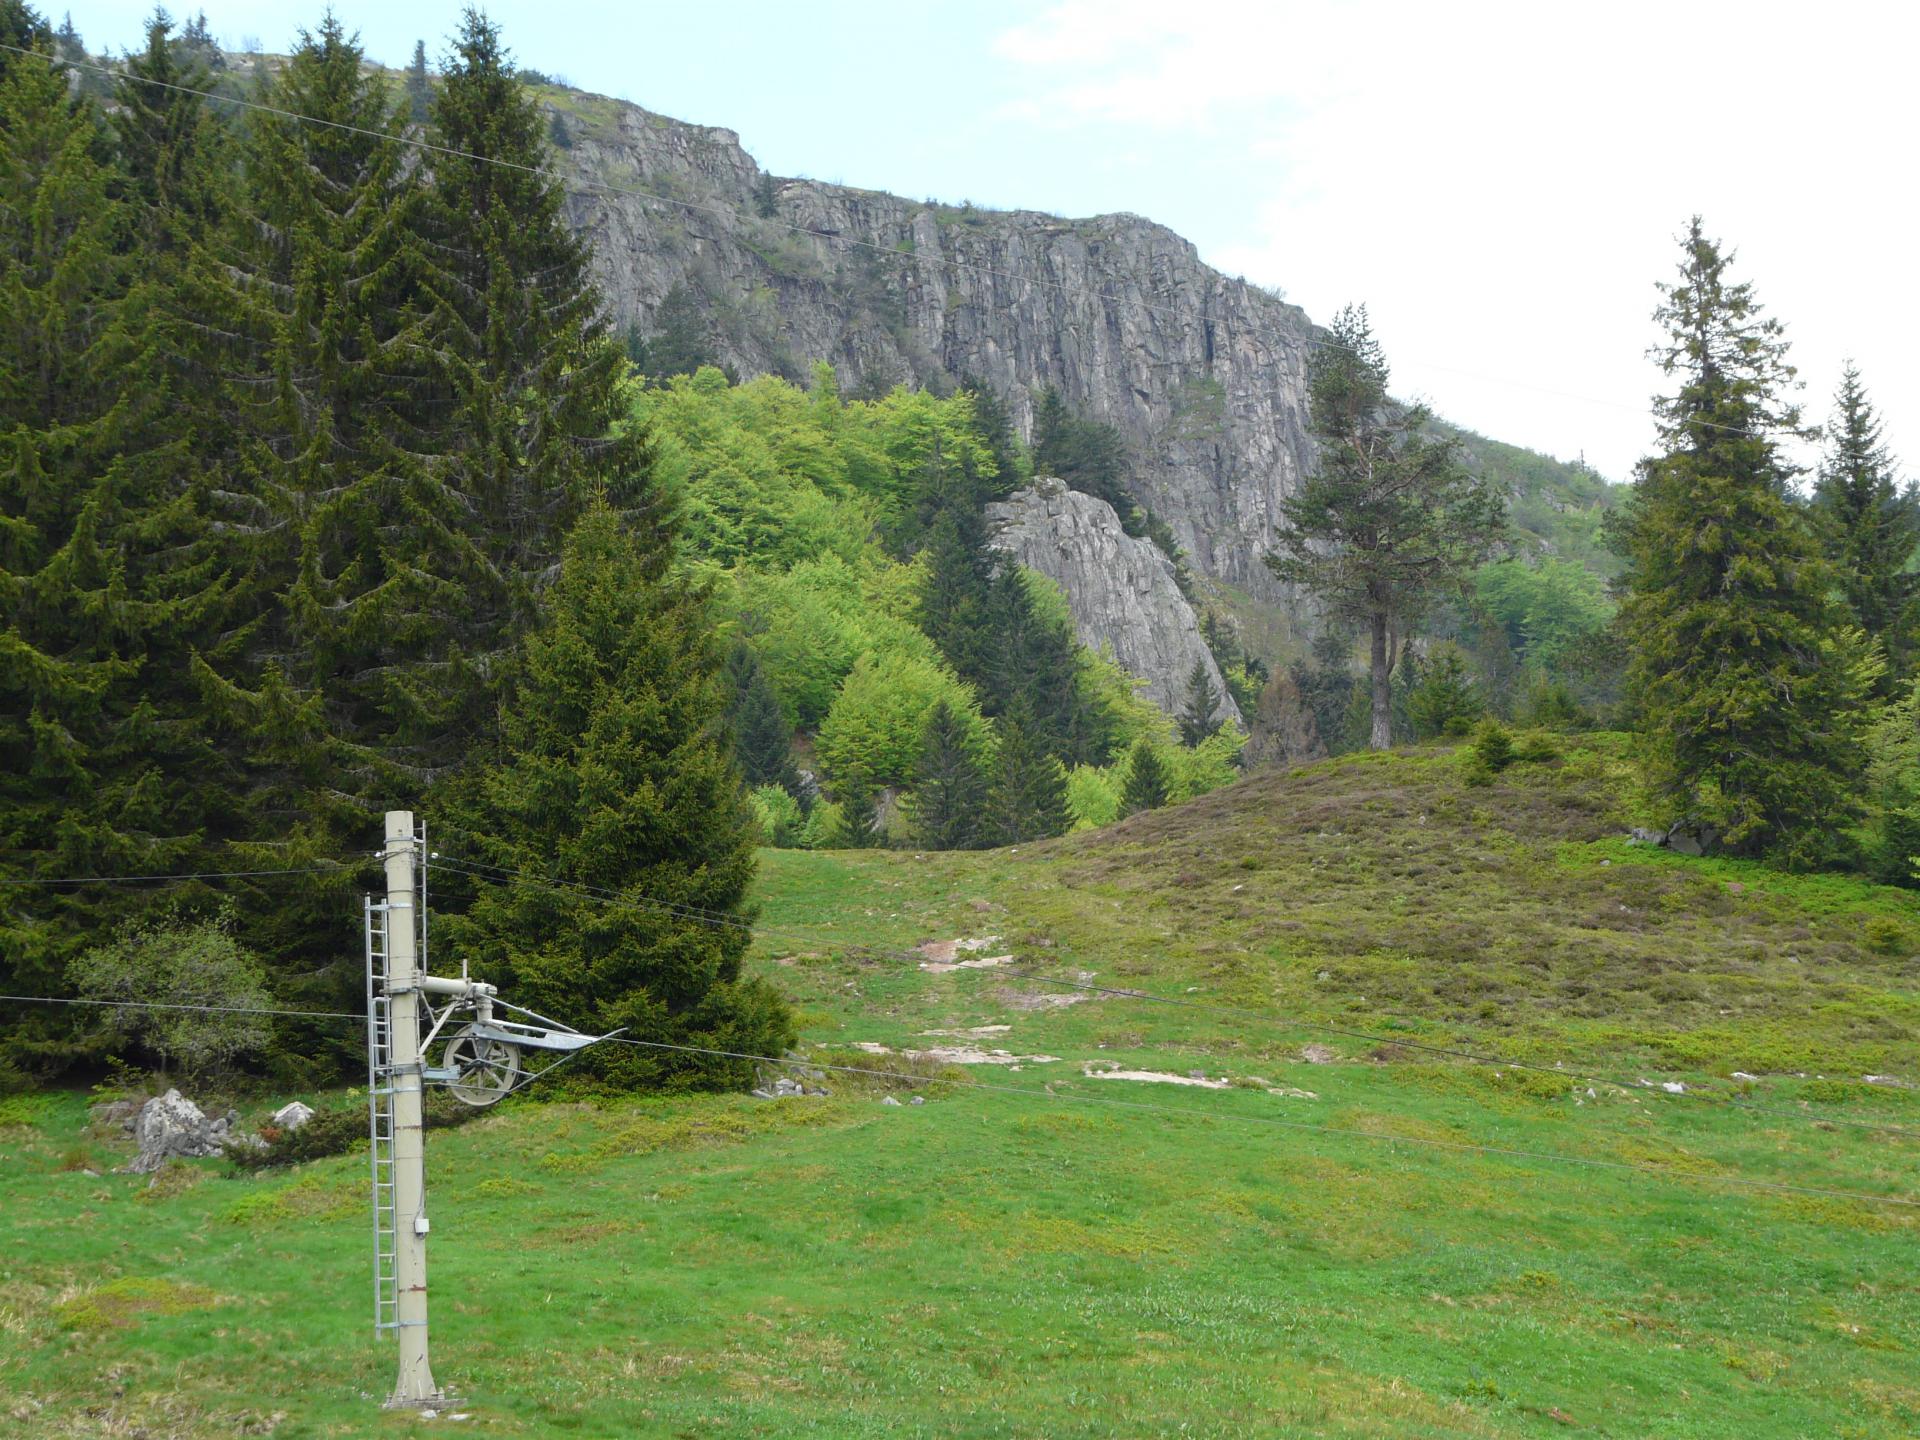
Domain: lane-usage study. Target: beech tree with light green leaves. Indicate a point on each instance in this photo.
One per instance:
(1748, 675)
(1389, 519)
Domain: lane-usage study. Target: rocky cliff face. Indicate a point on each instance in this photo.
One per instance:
(1203, 374)
(1120, 589)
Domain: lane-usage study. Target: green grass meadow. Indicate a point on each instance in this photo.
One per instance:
(1314, 1250)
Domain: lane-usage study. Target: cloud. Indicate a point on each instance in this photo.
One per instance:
(1502, 182)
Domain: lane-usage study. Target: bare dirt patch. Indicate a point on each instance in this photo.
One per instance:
(957, 1054)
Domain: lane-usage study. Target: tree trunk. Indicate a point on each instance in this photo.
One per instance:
(1382, 671)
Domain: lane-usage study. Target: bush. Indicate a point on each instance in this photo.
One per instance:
(778, 815)
(180, 959)
(1549, 705)
(1884, 935)
(1536, 748)
(339, 1131)
(1493, 746)
(1446, 701)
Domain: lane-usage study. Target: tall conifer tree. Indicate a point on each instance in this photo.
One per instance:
(1747, 674)
(949, 790)
(1869, 524)
(523, 344)
(1028, 797)
(348, 682)
(101, 767)
(1389, 518)
(618, 775)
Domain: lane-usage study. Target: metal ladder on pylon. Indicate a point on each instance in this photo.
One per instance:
(386, 1301)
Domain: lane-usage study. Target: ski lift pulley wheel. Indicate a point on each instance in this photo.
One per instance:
(484, 1068)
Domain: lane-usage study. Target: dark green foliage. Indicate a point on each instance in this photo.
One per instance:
(995, 424)
(1325, 683)
(679, 344)
(1028, 798)
(340, 1130)
(1089, 456)
(419, 86)
(196, 45)
(173, 150)
(859, 804)
(975, 606)
(352, 672)
(1445, 701)
(766, 200)
(949, 788)
(1200, 717)
(617, 774)
(558, 133)
(1146, 787)
(104, 586)
(1390, 519)
(1748, 679)
(24, 28)
(1493, 746)
(1869, 525)
(762, 739)
(1548, 704)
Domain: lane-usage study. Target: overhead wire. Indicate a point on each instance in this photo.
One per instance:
(1047, 1093)
(603, 187)
(341, 867)
(719, 919)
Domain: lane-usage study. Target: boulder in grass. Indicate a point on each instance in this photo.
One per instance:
(292, 1115)
(170, 1126)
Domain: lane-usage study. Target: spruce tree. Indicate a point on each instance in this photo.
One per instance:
(22, 28)
(762, 739)
(523, 342)
(352, 677)
(1747, 676)
(1146, 787)
(103, 766)
(1087, 455)
(949, 791)
(617, 776)
(1869, 526)
(859, 804)
(1028, 797)
(1389, 518)
(678, 345)
(419, 86)
(175, 153)
(1200, 718)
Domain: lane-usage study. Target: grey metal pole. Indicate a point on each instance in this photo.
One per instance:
(415, 1385)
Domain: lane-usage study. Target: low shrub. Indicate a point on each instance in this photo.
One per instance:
(1493, 746)
(338, 1131)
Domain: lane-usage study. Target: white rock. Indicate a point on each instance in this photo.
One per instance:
(292, 1115)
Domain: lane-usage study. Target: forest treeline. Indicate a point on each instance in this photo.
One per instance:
(325, 489)
(320, 495)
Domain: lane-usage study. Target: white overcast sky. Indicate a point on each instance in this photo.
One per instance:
(1501, 184)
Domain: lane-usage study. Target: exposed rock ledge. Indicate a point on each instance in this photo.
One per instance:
(1120, 589)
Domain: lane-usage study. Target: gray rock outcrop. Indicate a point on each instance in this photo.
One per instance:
(1202, 373)
(1120, 588)
(171, 1126)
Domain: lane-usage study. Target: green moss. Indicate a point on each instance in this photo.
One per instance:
(118, 1304)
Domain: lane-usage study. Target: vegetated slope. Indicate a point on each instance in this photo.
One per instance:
(1202, 373)
(1316, 1248)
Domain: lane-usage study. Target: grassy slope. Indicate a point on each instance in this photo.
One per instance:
(1000, 1264)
